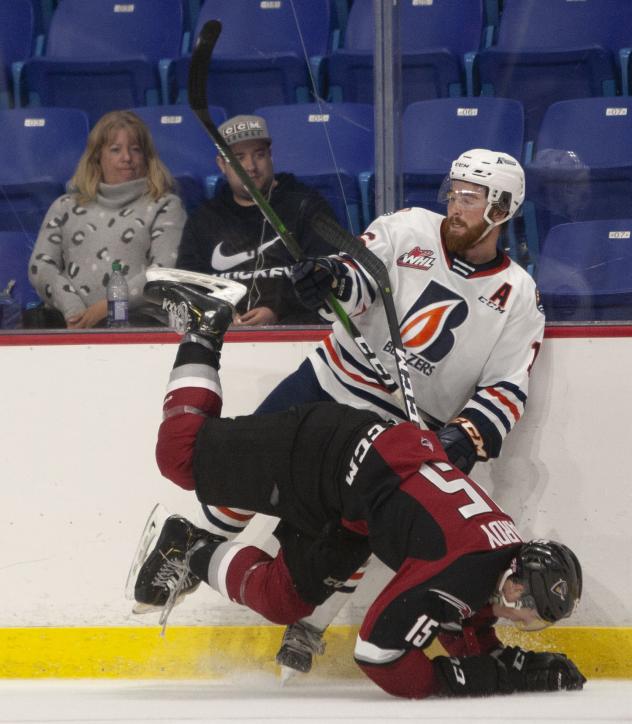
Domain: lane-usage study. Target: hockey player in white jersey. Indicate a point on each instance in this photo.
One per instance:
(470, 322)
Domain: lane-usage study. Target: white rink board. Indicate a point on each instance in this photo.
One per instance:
(78, 474)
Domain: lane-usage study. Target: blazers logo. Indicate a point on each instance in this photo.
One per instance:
(427, 327)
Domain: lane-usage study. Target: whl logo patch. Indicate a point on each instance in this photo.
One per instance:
(417, 258)
(427, 327)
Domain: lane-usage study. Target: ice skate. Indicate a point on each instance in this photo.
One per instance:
(195, 302)
(300, 643)
(160, 579)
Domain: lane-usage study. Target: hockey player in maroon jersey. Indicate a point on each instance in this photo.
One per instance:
(346, 484)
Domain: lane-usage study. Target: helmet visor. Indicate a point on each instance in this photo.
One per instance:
(462, 193)
(529, 620)
(520, 609)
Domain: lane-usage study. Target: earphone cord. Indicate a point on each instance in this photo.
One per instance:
(253, 300)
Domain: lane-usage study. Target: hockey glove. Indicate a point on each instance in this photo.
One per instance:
(512, 670)
(458, 447)
(467, 676)
(535, 671)
(314, 278)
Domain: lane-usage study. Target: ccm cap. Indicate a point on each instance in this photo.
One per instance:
(244, 128)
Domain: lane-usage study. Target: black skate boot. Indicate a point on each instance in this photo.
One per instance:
(196, 303)
(164, 577)
(300, 643)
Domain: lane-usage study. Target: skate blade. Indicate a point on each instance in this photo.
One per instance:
(227, 290)
(287, 674)
(143, 608)
(150, 532)
(140, 609)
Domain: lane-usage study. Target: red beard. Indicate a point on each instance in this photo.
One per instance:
(464, 238)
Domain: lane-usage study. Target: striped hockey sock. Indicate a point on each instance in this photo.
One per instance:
(225, 521)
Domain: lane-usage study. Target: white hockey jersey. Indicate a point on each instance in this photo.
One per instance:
(471, 332)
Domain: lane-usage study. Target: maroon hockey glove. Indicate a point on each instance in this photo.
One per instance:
(315, 278)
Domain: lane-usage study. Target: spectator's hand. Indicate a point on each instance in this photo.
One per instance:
(90, 317)
(257, 316)
(315, 278)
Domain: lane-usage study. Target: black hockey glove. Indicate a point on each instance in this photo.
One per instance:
(538, 671)
(512, 670)
(467, 676)
(458, 447)
(314, 278)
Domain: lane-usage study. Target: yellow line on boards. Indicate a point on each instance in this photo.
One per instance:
(200, 652)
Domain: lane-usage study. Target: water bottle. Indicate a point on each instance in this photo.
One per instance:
(118, 298)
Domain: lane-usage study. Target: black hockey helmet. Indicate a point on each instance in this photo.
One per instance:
(552, 577)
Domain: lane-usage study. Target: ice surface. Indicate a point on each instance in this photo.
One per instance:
(260, 698)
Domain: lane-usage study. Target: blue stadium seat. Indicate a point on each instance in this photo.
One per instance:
(327, 146)
(434, 38)
(15, 252)
(582, 162)
(551, 50)
(17, 36)
(585, 271)
(260, 57)
(39, 152)
(435, 132)
(184, 147)
(103, 55)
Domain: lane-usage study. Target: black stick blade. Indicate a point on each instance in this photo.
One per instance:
(198, 70)
(341, 240)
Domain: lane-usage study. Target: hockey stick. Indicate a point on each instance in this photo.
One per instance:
(342, 240)
(198, 101)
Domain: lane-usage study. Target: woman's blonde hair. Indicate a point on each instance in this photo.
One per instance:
(88, 174)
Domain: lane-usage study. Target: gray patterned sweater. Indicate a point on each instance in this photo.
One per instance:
(72, 259)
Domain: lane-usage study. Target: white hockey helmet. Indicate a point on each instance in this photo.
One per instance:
(499, 172)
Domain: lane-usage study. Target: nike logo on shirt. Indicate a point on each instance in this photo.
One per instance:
(222, 262)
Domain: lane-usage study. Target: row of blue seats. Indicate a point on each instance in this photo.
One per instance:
(326, 146)
(542, 51)
(43, 12)
(580, 167)
(102, 54)
(585, 272)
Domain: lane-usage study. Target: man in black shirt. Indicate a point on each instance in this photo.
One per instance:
(229, 236)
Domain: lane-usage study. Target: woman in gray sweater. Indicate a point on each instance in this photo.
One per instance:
(121, 207)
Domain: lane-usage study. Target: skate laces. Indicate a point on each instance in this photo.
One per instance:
(177, 577)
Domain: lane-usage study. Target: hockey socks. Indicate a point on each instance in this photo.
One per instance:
(193, 393)
(249, 576)
(222, 520)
